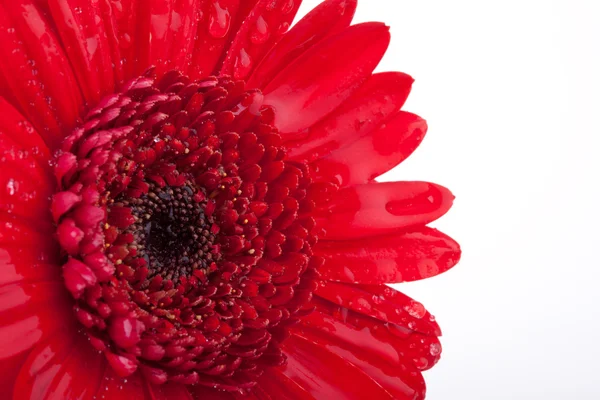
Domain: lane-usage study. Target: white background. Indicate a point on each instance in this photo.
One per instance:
(511, 91)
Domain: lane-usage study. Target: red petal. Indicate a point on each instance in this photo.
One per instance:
(325, 375)
(273, 384)
(26, 181)
(25, 235)
(407, 256)
(383, 303)
(25, 188)
(326, 75)
(168, 391)
(328, 18)
(218, 24)
(165, 40)
(31, 59)
(17, 132)
(380, 208)
(200, 392)
(373, 154)
(263, 27)
(86, 43)
(66, 367)
(114, 387)
(18, 265)
(29, 312)
(9, 370)
(371, 349)
(369, 107)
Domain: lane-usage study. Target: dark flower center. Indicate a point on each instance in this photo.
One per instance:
(171, 232)
(186, 233)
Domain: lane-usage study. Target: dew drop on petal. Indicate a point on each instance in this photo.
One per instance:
(421, 363)
(435, 349)
(415, 309)
(288, 6)
(260, 33)
(243, 65)
(283, 28)
(348, 274)
(219, 21)
(12, 187)
(125, 41)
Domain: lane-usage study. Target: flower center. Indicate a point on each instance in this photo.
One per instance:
(187, 236)
(171, 232)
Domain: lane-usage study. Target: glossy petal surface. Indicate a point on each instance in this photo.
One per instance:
(394, 258)
(339, 73)
(379, 151)
(328, 18)
(366, 110)
(380, 208)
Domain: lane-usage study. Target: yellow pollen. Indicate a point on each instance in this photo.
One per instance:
(119, 262)
(186, 151)
(251, 251)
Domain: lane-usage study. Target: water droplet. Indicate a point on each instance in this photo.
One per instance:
(283, 28)
(287, 7)
(11, 187)
(260, 33)
(219, 22)
(415, 309)
(125, 41)
(348, 274)
(435, 349)
(421, 362)
(243, 65)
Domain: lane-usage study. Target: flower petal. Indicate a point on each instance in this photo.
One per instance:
(28, 313)
(32, 60)
(383, 303)
(85, 40)
(274, 385)
(24, 188)
(405, 256)
(379, 152)
(326, 75)
(19, 265)
(217, 27)
(28, 236)
(9, 370)
(370, 106)
(328, 18)
(370, 346)
(166, 39)
(114, 387)
(326, 375)
(65, 367)
(168, 391)
(16, 133)
(381, 208)
(263, 27)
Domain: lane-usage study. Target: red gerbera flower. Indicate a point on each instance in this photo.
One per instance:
(188, 206)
